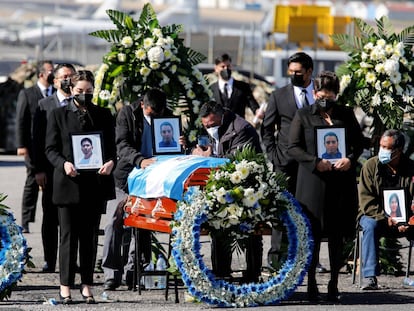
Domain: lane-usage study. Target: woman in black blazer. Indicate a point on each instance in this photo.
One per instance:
(326, 190)
(80, 195)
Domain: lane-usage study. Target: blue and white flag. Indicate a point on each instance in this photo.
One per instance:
(166, 177)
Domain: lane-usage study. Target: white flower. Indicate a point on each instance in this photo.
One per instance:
(104, 94)
(391, 66)
(381, 43)
(191, 94)
(121, 57)
(127, 41)
(250, 197)
(154, 65)
(156, 54)
(148, 42)
(157, 32)
(370, 77)
(345, 80)
(145, 71)
(141, 54)
(235, 177)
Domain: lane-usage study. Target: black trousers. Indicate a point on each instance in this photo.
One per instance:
(79, 226)
(221, 257)
(50, 224)
(30, 195)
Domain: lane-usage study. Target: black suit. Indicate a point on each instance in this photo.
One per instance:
(279, 114)
(240, 98)
(80, 199)
(27, 103)
(42, 165)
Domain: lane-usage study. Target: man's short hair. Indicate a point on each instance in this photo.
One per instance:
(40, 66)
(222, 58)
(86, 139)
(156, 100)
(330, 134)
(302, 58)
(398, 137)
(165, 123)
(211, 107)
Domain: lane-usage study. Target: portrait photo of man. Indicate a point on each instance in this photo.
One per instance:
(87, 151)
(167, 134)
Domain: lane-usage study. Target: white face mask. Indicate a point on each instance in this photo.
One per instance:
(213, 132)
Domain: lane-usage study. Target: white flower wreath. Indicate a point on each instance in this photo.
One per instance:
(13, 253)
(239, 196)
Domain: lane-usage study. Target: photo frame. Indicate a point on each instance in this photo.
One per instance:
(330, 143)
(166, 132)
(394, 204)
(87, 150)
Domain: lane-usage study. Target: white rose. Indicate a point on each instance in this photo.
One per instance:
(156, 54)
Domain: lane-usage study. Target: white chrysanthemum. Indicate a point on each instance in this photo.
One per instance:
(127, 41)
(379, 68)
(156, 54)
(196, 106)
(235, 177)
(381, 43)
(104, 94)
(249, 198)
(389, 49)
(121, 57)
(144, 71)
(141, 54)
(391, 66)
(365, 65)
(386, 84)
(157, 32)
(154, 65)
(148, 42)
(364, 56)
(191, 94)
(369, 46)
(371, 77)
(395, 77)
(345, 80)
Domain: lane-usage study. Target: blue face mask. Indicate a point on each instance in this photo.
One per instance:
(384, 155)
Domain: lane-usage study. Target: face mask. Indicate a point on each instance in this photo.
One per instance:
(50, 78)
(213, 132)
(325, 104)
(297, 80)
(83, 99)
(65, 85)
(384, 155)
(225, 74)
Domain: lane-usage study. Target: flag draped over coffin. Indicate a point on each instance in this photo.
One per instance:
(166, 177)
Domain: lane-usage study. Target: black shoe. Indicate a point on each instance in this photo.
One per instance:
(88, 299)
(65, 300)
(48, 268)
(333, 293)
(313, 293)
(110, 284)
(25, 229)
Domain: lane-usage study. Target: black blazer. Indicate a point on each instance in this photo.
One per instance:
(44, 108)
(61, 123)
(279, 114)
(27, 103)
(241, 97)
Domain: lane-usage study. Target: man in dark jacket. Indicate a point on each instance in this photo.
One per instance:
(230, 93)
(27, 103)
(134, 149)
(42, 167)
(229, 133)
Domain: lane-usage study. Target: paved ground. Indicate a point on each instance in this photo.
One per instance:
(36, 288)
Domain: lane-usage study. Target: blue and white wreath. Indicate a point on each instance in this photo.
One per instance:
(195, 211)
(13, 252)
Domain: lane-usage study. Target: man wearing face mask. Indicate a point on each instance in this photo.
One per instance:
(230, 132)
(282, 106)
(232, 94)
(391, 168)
(43, 168)
(27, 103)
(327, 192)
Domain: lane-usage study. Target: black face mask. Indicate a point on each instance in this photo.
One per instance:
(65, 85)
(83, 99)
(50, 78)
(297, 80)
(225, 74)
(325, 104)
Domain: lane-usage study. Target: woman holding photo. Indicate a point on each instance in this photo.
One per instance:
(80, 195)
(326, 191)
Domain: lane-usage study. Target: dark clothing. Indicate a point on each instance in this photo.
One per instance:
(279, 114)
(27, 103)
(336, 155)
(163, 144)
(80, 199)
(236, 133)
(241, 98)
(50, 221)
(329, 198)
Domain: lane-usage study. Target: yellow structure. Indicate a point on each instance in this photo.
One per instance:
(310, 25)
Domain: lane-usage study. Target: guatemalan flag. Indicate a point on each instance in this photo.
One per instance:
(166, 177)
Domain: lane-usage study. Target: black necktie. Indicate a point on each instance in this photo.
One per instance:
(303, 98)
(226, 92)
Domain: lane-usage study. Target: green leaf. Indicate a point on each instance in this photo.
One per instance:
(118, 70)
(365, 29)
(147, 16)
(385, 28)
(110, 35)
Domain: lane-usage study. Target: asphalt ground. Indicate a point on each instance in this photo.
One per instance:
(36, 288)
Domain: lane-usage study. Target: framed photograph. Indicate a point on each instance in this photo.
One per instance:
(166, 133)
(395, 205)
(87, 150)
(330, 143)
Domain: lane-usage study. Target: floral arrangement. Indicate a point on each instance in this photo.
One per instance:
(228, 204)
(145, 55)
(379, 74)
(13, 251)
